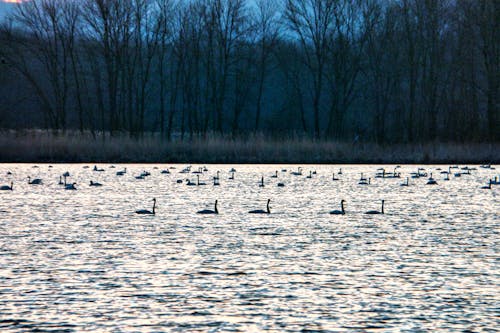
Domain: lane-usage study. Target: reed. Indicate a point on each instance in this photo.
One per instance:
(73, 147)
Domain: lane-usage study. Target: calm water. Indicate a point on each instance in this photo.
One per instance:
(83, 261)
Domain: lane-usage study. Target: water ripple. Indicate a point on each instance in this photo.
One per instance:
(73, 261)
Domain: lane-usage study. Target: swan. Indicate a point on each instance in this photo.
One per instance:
(185, 170)
(190, 183)
(7, 188)
(374, 212)
(179, 181)
(334, 178)
(275, 174)
(36, 181)
(380, 173)
(147, 212)
(341, 211)
(140, 177)
(340, 171)
(487, 187)
(406, 183)
(261, 184)
(395, 174)
(98, 170)
(447, 177)
(121, 173)
(166, 171)
(95, 184)
(298, 172)
(281, 185)
(431, 181)
(310, 174)
(446, 172)
(420, 173)
(260, 211)
(60, 181)
(198, 181)
(70, 187)
(365, 182)
(209, 211)
(216, 181)
(232, 176)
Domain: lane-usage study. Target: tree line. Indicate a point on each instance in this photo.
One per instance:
(382, 71)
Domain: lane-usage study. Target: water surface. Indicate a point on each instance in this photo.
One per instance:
(83, 261)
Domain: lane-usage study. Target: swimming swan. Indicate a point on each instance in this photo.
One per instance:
(406, 183)
(341, 211)
(36, 181)
(147, 212)
(373, 212)
(209, 211)
(260, 211)
(7, 188)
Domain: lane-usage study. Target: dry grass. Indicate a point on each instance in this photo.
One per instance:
(43, 146)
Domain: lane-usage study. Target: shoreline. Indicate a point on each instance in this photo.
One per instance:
(37, 146)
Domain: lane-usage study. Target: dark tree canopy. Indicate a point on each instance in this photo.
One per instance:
(379, 71)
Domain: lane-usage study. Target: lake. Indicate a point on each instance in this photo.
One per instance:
(82, 260)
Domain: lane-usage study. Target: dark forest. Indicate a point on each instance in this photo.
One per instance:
(385, 72)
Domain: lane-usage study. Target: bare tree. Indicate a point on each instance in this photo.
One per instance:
(487, 16)
(382, 59)
(42, 52)
(266, 24)
(312, 21)
(109, 23)
(345, 49)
